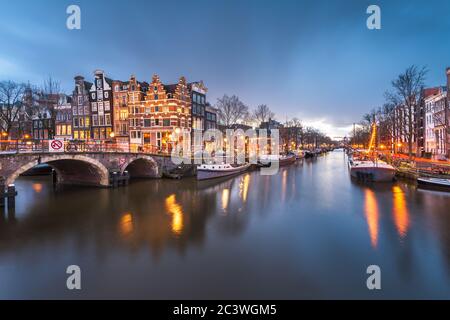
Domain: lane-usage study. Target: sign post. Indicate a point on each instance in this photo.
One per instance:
(56, 146)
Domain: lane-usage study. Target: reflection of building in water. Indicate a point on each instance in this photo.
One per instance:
(225, 199)
(126, 224)
(400, 211)
(176, 211)
(372, 215)
(244, 187)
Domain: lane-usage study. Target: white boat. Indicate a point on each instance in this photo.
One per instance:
(434, 183)
(365, 165)
(377, 171)
(212, 171)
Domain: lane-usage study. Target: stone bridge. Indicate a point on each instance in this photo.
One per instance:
(86, 168)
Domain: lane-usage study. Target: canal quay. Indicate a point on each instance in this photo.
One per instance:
(307, 232)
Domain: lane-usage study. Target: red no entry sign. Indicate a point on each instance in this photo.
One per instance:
(56, 146)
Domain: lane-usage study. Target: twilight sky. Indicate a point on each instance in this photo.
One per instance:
(315, 60)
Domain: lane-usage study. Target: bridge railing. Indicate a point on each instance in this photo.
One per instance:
(74, 146)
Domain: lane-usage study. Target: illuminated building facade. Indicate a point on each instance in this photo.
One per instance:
(166, 108)
(81, 110)
(63, 120)
(100, 96)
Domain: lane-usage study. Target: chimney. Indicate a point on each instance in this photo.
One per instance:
(79, 79)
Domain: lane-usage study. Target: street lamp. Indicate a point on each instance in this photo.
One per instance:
(112, 135)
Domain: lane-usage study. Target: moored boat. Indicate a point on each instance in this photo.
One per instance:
(365, 165)
(308, 154)
(298, 154)
(211, 171)
(266, 160)
(376, 171)
(434, 183)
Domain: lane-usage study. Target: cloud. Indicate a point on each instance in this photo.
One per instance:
(328, 127)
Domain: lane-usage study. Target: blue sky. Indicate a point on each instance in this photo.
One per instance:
(315, 60)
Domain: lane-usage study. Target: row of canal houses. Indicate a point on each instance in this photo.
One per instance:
(135, 114)
(431, 123)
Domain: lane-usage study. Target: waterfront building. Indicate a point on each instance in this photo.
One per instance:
(120, 111)
(44, 115)
(440, 122)
(166, 108)
(42, 124)
(447, 115)
(430, 141)
(198, 105)
(210, 117)
(100, 96)
(81, 109)
(136, 113)
(63, 121)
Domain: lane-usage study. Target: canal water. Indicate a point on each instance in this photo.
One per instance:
(307, 232)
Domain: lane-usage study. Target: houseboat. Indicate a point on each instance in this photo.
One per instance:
(212, 171)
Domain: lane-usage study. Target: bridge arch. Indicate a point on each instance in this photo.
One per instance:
(141, 167)
(71, 169)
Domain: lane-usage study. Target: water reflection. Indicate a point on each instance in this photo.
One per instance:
(126, 224)
(163, 232)
(37, 187)
(400, 211)
(244, 187)
(176, 212)
(225, 199)
(283, 184)
(372, 215)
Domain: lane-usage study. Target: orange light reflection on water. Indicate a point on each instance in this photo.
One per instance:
(126, 224)
(37, 187)
(225, 198)
(372, 216)
(176, 212)
(400, 211)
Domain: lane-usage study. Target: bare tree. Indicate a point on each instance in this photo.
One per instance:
(262, 113)
(293, 132)
(408, 89)
(231, 110)
(49, 101)
(11, 104)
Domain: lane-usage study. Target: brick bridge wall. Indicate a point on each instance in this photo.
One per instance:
(85, 168)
